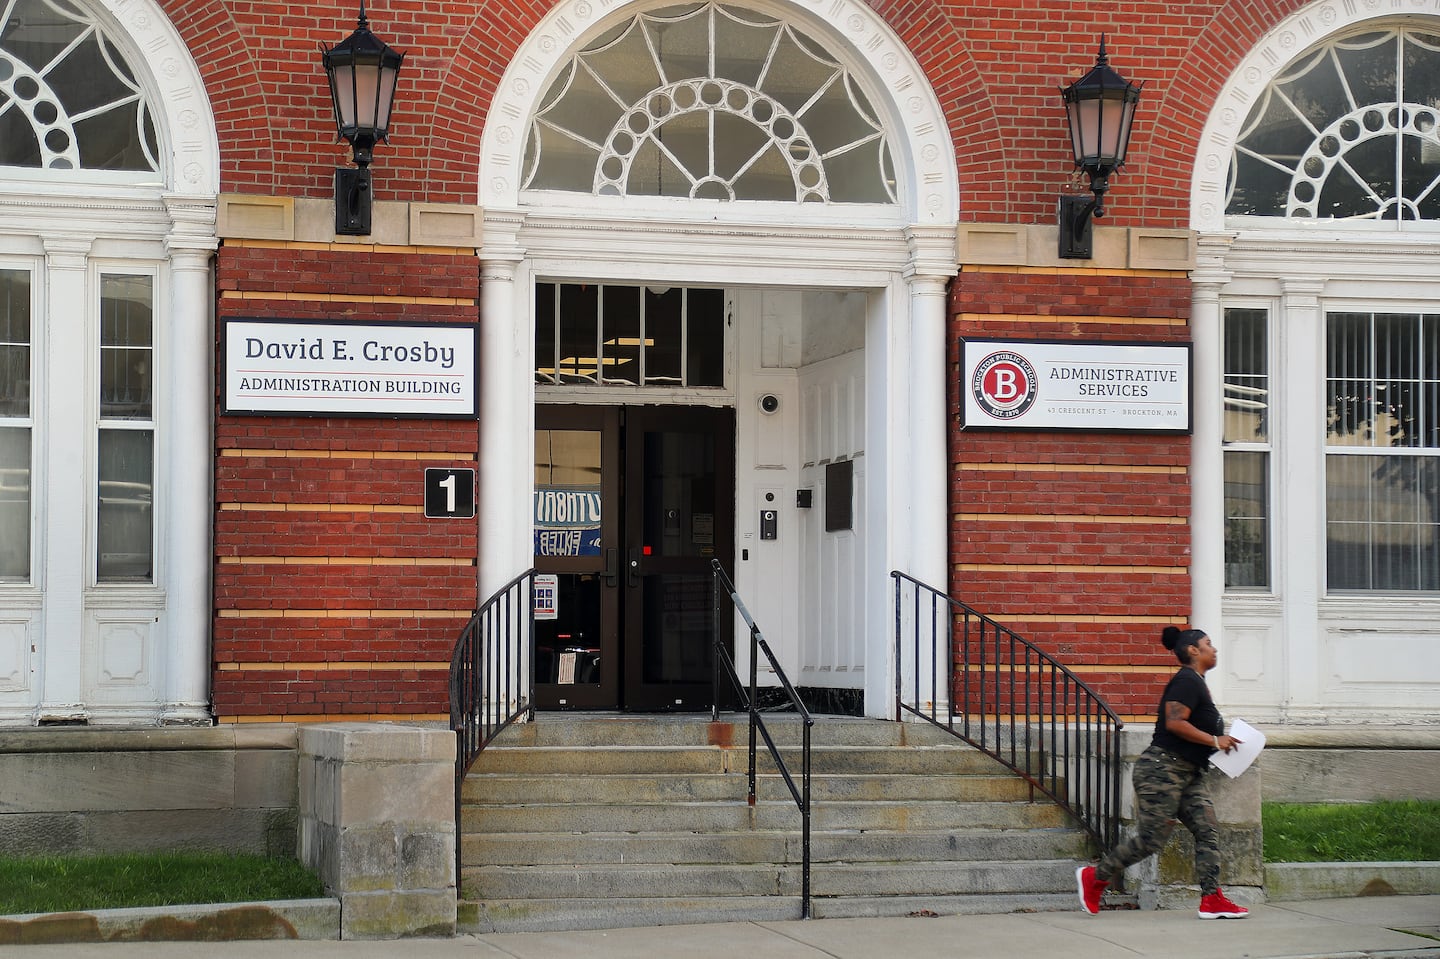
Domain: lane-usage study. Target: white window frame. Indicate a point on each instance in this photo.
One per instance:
(98, 423)
(33, 420)
(1269, 447)
(1366, 305)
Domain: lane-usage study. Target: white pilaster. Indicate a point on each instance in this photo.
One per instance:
(1299, 337)
(922, 441)
(506, 444)
(186, 456)
(68, 563)
(1207, 463)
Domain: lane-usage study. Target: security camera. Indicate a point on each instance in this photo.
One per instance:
(769, 403)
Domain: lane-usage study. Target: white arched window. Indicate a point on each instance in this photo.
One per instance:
(709, 101)
(68, 98)
(1350, 131)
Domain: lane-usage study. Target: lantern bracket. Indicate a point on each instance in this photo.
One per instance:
(352, 201)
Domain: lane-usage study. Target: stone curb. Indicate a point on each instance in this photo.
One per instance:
(309, 919)
(1301, 881)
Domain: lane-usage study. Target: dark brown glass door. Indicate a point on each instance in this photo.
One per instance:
(577, 557)
(631, 505)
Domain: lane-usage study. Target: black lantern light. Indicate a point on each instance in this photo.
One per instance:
(362, 70)
(1100, 108)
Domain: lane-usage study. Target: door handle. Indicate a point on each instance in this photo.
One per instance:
(611, 574)
(633, 571)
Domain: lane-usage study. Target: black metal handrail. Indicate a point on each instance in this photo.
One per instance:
(491, 681)
(1011, 700)
(747, 697)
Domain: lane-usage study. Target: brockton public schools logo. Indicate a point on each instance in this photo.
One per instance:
(1004, 385)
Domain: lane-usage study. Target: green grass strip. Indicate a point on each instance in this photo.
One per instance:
(1406, 831)
(66, 884)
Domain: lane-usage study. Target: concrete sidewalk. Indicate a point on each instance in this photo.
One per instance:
(1391, 927)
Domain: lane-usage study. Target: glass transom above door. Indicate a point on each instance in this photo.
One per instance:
(711, 102)
(589, 334)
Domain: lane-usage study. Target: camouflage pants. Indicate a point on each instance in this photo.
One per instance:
(1169, 790)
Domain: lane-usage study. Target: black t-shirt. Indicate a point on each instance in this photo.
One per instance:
(1188, 688)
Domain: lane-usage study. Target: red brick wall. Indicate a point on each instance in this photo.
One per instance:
(1077, 541)
(334, 595)
(995, 67)
(318, 514)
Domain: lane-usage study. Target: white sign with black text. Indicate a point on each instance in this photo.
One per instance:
(349, 369)
(1032, 384)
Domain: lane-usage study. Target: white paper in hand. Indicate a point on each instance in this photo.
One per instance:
(1237, 760)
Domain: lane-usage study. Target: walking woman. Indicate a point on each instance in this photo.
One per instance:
(1170, 781)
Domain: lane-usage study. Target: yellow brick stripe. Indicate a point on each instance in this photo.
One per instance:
(459, 615)
(321, 508)
(349, 455)
(330, 667)
(336, 718)
(1072, 518)
(990, 467)
(1066, 568)
(346, 561)
(263, 295)
(1056, 319)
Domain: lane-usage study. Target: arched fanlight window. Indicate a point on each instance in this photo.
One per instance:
(709, 101)
(68, 99)
(1350, 130)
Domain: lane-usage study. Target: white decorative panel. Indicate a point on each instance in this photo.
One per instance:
(1381, 659)
(123, 653)
(1252, 682)
(14, 655)
(120, 658)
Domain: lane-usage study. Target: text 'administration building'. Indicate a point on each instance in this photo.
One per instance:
(688, 281)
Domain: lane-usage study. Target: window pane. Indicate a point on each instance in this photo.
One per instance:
(620, 343)
(705, 352)
(1247, 383)
(1247, 527)
(568, 500)
(126, 347)
(1383, 522)
(545, 371)
(14, 343)
(126, 537)
(662, 336)
(579, 319)
(14, 503)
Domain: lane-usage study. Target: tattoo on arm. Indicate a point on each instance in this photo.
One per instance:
(1174, 711)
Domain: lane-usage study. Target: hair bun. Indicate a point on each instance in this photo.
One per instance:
(1169, 636)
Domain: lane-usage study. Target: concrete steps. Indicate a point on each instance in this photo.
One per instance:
(594, 822)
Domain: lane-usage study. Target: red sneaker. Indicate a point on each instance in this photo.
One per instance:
(1090, 889)
(1216, 906)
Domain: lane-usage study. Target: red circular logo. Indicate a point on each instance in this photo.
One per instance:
(1004, 385)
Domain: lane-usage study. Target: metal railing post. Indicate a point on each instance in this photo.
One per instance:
(1080, 770)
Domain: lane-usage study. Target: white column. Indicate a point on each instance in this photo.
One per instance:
(924, 436)
(186, 449)
(1299, 520)
(932, 264)
(506, 461)
(68, 564)
(1207, 466)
